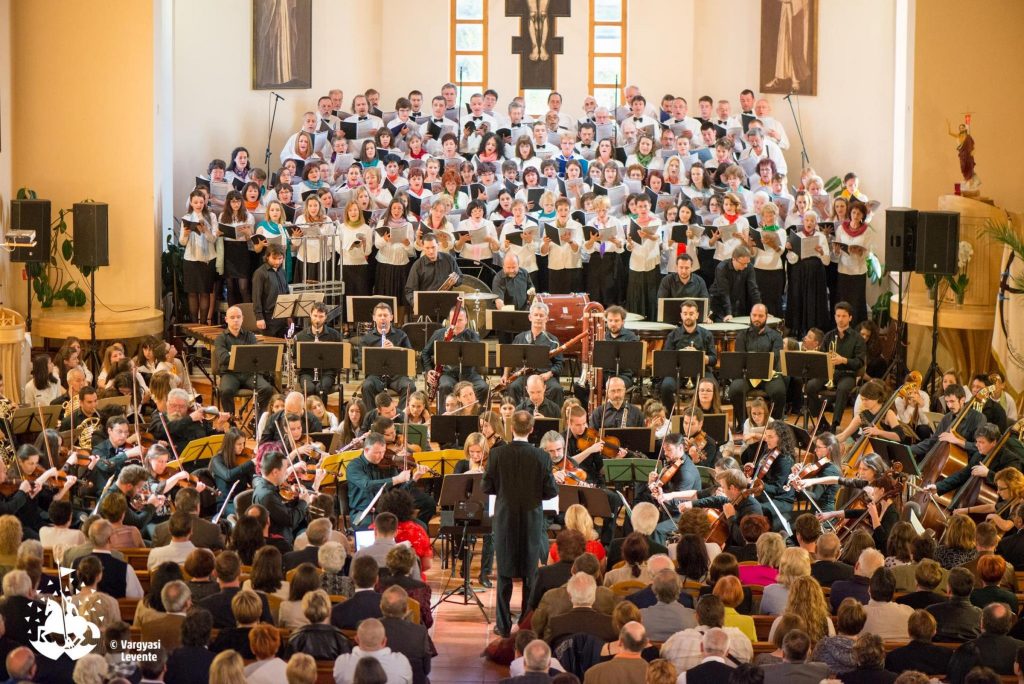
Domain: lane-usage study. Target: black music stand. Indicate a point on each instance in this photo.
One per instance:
(420, 331)
(639, 439)
(464, 493)
(678, 364)
(389, 362)
(591, 498)
(616, 357)
(516, 356)
(433, 304)
(745, 366)
(360, 307)
(26, 419)
(670, 309)
(896, 452)
(453, 429)
(254, 360)
(323, 356)
(805, 365)
(460, 354)
(802, 437)
(297, 305)
(541, 426)
(507, 324)
(715, 425)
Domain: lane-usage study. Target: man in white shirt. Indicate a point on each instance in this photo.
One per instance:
(541, 146)
(680, 115)
(589, 109)
(373, 644)
(632, 91)
(747, 101)
(683, 649)
(337, 99)
(180, 526)
(361, 113)
(723, 117)
(450, 95)
(555, 105)
(477, 115)
(324, 116)
(603, 117)
(385, 528)
(759, 148)
(491, 108)
(772, 126)
(714, 647)
(639, 117)
(705, 105)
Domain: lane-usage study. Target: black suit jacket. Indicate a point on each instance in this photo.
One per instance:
(205, 534)
(873, 675)
(998, 651)
(925, 657)
(348, 614)
(188, 664)
(294, 559)
(549, 577)
(958, 620)
(645, 598)
(856, 586)
(711, 672)
(585, 620)
(412, 641)
(219, 605)
(827, 572)
(920, 599)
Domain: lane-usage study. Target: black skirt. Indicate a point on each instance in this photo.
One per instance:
(199, 276)
(807, 297)
(390, 281)
(771, 283)
(852, 290)
(237, 259)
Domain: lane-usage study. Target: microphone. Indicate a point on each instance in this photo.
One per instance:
(276, 95)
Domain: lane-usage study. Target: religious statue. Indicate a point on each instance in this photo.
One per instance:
(965, 151)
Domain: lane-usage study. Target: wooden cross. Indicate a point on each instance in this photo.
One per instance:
(537, 43)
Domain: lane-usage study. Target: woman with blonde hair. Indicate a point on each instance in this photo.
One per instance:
(794, 564)
(227, 668)
(160, 385)
(493, 429)
(476, 449)
(770, 546)
(1010, 489)
(957, 545)
(579, 519)
(807, 600)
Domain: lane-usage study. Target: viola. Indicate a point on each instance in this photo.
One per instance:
(612, 444)
(574, 476)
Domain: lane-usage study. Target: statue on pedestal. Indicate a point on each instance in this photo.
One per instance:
(965, 151)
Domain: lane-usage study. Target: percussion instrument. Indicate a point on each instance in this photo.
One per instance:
(630, 316)
(565, 314)
(725, 334)
(773, 321)
(477, 299)
(651, 332)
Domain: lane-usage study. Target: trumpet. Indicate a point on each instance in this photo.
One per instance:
(831, 357)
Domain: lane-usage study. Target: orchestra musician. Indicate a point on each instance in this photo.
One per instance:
(879, 511)
(294, 402)
(183, 425)
(956, 398)
(287, 518)
(320, 381)
(87, 400)
(684, 283)
(110, 455)
(990, 408)
(450, 375)
(512, 284)
(368, 473)
(827, 463)
(616, 412)
(986, 440)
(538, 334)
(616, 331)
(688, 335)
(872, 396)
(386, 336)
(231, 464)
(591, 460)
(759, 337)
(848, 356)
(431, 270)
(133, 482)
(477, 449)
(735, 287)
(677, 479)
(230, 381)
(779, 450)
(32, 495)
(293, 442)
(75, 382)
(535, 402)
(268, 282)
(734, 501)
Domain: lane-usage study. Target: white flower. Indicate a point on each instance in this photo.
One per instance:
(964, 254)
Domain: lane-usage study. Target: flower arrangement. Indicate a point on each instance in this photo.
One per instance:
(959, 282)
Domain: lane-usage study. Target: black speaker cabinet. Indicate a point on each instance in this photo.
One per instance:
(900, 239)
(32, 215)
(91, 235)
(938, 241)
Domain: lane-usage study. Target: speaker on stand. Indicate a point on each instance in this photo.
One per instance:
(31, 216)
(92, 251)
(938, 242)
(900, 255)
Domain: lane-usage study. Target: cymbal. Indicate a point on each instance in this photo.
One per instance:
(479, 296)
(630, 316)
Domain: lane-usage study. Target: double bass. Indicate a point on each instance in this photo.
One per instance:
(976, 490)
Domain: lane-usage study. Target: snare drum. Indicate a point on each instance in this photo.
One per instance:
(725, 334)
(565, 314)
(652, 333)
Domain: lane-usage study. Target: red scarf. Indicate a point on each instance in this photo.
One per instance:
(854, 232)
(252, 206)
(731, 218)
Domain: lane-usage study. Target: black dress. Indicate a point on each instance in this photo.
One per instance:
(807, 304)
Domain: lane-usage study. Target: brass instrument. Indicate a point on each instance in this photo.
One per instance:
(831, 357)
(86, 431)
(7, 408)
(591, 377)
(70, 406)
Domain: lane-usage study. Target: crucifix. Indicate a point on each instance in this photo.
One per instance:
(537, 45)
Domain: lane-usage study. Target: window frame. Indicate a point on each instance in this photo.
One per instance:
(593, 56)
(455, 53)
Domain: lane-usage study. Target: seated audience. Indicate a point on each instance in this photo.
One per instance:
(318, 637)
(372, 641)
(264, 642)
(667, 616)
(795, 667)
(886, 618)
(869, 656)
(857, 586)
(404, 636)
(626, 667)
(365, 602)
(837, 651)
(957, 618)
(920, 653)
(827, 568)
(582, 618)
(928, 574)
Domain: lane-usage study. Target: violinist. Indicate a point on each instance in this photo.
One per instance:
(699, 445)
(110, 455)
(351, 424)
(477, 449)
(616, 331)
(881, 513)
(689, 335)
(184, 423)
(867, 422)
(87, 400)
(368, 472)
(679, 478)
(956, 399)
(590, 460)
(286, 518)
(28, 498)
(299, 448)
(133, 483)
(164, 474)
(450, 375)
(294, 402)
(493, 429)
(1010, 492)
(827, 458)
(538, 334)
(735, 502)
(535, 402)
(232, 464)
(320, 381)
(616, 412)
(562, 468)
(759, 338)
(774, 468)
(386, 336)
(986, 440)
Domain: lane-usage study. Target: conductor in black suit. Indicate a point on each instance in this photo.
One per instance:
(519, 475)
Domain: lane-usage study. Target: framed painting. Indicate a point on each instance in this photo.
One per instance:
(789, 47)
(282, 38)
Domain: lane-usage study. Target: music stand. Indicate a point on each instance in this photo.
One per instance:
(806, 365)
(460, 354)
(433, 304)
(202, 449)
(670, 309)
(638, 439)
(389, 362)
(359, 308)
(26, 419)
(453, 429)
(124, 401)
(678, 364)
(896, 452)
(464, 493)
(297, 305)
(715, 425)
(516, 356)
(321, 356)
(745, 366)
(591, 498)
(628, 471)
(541, 426)
(510, 321)
(254, 359)
(616, 357)
(443, 461)
(420, 331)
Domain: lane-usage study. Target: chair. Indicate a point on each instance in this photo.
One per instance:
(245, 394)
(626, 587)
(413, 612)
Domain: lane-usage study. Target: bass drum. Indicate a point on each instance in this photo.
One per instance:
(565, 317)
(476, 308)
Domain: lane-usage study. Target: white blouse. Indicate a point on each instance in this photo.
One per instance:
(725, 248)
(352, 254)
(609, 247)
(308, 247)
(769, 259)
(848, 263)
(647, 255)
(528, 252)
(200, 246)
(481, 251)
(395, 253)
(563, 256)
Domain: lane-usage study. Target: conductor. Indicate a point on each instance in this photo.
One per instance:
(519, 475)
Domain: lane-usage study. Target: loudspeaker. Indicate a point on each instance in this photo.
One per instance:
(900, 239)
(32, 215)
(91, 235)
(938, 241)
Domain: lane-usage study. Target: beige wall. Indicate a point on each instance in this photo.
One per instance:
(6, 188)
(83, 126)
(968, 66)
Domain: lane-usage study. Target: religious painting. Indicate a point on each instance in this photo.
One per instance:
(537, 43)
(789, 47)
(282, 38)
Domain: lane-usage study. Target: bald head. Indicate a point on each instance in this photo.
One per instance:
(537, 656)
(371, 635)
(21, 664)
(716, 642)
(535, 389)
(659, 562)
(234, 319)
(633, 637)
(510, 265)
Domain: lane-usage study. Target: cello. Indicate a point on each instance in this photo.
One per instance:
(976, 490)
(863, 444)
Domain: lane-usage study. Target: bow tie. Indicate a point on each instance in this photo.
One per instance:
(438, 120)
(478, 118)
(585, 145)
(415, 114)
(363, 118)
(638, 119)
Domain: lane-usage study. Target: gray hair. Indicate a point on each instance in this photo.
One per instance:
(175, 596)
(551, 437)
(331, 556)
(716, 642)
(582, 589)
(30, 548)
(17, 583)
(645, 518)
(318, 531)
(178, 394)
(540, 305)
(755, 131)
(91, 669)
(536, 656)
(100, 532)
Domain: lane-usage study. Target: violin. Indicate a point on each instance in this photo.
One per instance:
(612, 444)
(574, 476)
(719, 532)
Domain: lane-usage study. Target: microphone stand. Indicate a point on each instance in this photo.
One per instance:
(805, 158)
(270, 132)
